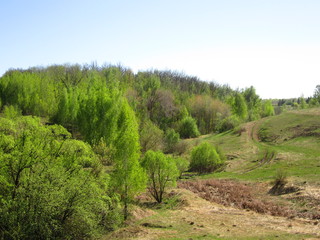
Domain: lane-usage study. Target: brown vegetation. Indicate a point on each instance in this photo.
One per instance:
(231, 193)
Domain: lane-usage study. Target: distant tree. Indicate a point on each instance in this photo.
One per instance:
(239, 106)
(253, 102)
(267, 108)
(208, 112)
(205, 158)
(171, 139)
(302, 103)
(317, 94)
(151, 137)
(162, 172)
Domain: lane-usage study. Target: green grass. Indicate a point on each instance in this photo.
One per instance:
(292, 136)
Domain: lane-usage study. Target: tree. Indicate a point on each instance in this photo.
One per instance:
(208, 112)
(151, 137)
(171, 139)
(205, 158)
(253, 102)
(267, 108)
(188, 128)
(162, 172)
(127, 178)
(316, 95)
(239, 106)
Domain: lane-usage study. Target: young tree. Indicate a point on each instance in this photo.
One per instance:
(239, 106)
(253, 103)
(267, 108)
(128, 178)
(162, 172)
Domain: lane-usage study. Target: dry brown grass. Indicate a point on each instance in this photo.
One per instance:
(235, 194)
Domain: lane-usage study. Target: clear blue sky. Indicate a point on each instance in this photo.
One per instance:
(273, 45)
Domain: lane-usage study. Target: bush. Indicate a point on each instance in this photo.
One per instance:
(188, 128)
(228, 123)
(205, 158)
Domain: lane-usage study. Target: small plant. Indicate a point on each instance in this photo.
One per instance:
(279, 182)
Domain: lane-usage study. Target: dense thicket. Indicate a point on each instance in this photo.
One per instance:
(51, 186)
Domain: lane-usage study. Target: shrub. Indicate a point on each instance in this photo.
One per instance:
(188, 128)
(228, 123)
(205, 158)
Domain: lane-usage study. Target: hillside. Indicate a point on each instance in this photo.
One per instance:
(242, 207)
(83, 147)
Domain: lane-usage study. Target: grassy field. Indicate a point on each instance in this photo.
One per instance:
(235, 203)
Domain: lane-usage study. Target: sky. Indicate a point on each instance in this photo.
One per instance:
(273, 45)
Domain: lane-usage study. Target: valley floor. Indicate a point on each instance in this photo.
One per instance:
(201, 219)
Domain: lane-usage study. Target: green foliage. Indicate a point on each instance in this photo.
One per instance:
(253, 102)
(208, 112)
(171, 139)
(267, 108)
(205, 158)
(45, 191)
(11, 112)
(239, 106)
(182, 165)
(229, 123)
(162, 172)
(188, 128)
(128, 178)
(151, 137)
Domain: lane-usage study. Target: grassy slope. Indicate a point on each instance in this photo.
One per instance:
(291, 142)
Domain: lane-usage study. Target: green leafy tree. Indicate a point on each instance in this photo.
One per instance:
(162, 172)
(171, 139)
(128, 178)
(205, 158)
(253, 102)
(151, 137)
(267, 108)
(239, 106)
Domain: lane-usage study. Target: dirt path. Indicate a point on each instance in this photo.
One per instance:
(199, 218)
